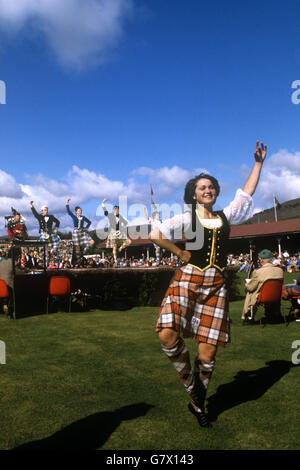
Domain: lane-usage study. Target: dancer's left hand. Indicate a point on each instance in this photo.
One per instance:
(260, 152)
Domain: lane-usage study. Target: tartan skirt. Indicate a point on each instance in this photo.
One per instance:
(116, 239)
(80, 237)
(196, 305)
(52, 239)
(289, 291)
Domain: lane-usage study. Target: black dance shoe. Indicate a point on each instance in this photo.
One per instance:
(200, 415)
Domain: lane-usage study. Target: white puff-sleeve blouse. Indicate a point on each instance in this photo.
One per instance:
(239, 210)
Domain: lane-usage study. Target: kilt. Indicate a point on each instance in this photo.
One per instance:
(116, 239)
(195, 304)
(52, 239)
(289, 291)
(80, 237)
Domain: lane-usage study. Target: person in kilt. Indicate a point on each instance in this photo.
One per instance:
(81, 239)
(117, 238)
(155, 222)
(195, 304)
(48, 225)
(16, 227)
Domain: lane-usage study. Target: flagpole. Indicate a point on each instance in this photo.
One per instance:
(275, 208)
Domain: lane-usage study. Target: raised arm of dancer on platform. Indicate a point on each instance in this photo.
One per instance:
(195, 304)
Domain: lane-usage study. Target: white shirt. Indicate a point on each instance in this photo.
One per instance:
(155, 223)
(239, 210)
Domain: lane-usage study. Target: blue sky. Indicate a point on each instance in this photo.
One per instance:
(105, 97)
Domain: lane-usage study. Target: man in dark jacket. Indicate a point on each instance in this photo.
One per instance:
(48, 225)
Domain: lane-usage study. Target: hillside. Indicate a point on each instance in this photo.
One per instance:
(286, 210)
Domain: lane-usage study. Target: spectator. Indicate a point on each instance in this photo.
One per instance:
(259, 276)
(293, 290)
(6, 273)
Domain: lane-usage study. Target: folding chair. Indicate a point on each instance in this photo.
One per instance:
(4, 292)
(59, 286)
(269, 295)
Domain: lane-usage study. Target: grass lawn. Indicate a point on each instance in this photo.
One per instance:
(98, 380)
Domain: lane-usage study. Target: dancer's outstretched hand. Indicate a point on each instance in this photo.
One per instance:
(260, 152)
(68, 200)
(31, 203)
(104, 200)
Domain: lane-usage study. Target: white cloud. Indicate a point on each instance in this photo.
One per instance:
(9, 187)
(174, 177)
(281, 177)
(79, 32)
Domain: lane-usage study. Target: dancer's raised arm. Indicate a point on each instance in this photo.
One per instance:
(259, 155)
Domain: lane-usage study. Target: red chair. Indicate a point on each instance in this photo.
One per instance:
(59, 286)
(269, 296)
(4, 293)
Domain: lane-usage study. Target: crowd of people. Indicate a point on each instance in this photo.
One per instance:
(288, 262)
(33, 259)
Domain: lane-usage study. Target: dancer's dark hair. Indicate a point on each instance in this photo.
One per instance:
(189, 193)
(190, 187)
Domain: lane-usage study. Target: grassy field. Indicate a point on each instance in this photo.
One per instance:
(98, 380)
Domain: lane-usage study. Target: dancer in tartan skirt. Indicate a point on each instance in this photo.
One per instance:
(155, 222)
(117, 238)
(81, 239)
(47, 230)
(195, 304)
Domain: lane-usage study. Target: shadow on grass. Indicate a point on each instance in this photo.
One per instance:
(89, 433)
(247, 386)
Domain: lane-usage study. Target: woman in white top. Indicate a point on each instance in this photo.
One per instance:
(195, 303)
(155, 223)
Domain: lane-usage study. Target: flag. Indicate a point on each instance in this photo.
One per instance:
(276, 203)
(153, 205)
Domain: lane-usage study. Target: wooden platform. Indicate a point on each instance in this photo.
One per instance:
(106, 288)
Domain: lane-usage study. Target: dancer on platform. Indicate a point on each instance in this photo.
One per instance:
(47, 231)
(81, 239)
(155, 223)
(195, 304)
(117, 238)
